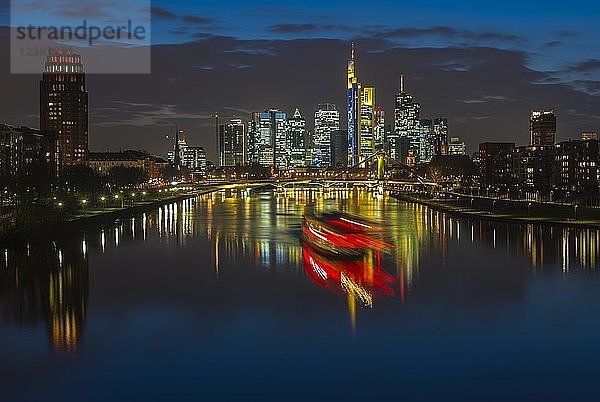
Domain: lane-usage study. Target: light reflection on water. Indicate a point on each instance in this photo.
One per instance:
(49, 283)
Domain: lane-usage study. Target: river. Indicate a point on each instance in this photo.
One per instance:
(215, 298)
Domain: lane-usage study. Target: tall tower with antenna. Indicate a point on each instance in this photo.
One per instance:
(353, 102)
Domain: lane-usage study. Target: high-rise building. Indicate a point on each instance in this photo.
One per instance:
(379, 135)
(232, 151)
(542, 128)
(440, 136)
(194, 158)
(367, 123)
(64, 106)
(589, 136)
(353, 103)
(297, 139)
(267, 139)
(327, 120)
(339, 148)
(427, 140)
(20, 148)
(406, 120)
(456, 147)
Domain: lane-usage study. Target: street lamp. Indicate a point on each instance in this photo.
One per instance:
(575, 211)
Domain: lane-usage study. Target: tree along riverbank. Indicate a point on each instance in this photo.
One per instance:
(509, 210)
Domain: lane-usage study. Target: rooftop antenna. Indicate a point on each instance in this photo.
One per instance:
(402, 83)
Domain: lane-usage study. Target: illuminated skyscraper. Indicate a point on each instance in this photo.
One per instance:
(232, 143)
(64, 106)
(427, 140)
(379, 134)
(268, 139)
(456, 147)
(297, 139)
(353, 103)
(542, 127)
(367, 123)
(327, 120)
(440, 136)
(406, 121)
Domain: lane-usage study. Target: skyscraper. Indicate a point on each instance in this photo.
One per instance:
(542, 127)
(64, 106)
(440, 136)
(339, 148)
(367, 123)
(296, 138)
(353, 103)
(456, 147)
(327, 120)
(406, 121)
(232, 143)
(267, 139)
(427, 140)
(379, 134)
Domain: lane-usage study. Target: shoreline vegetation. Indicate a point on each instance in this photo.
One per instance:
(515, 211)
(56, 225)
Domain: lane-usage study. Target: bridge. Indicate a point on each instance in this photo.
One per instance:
(371, 172)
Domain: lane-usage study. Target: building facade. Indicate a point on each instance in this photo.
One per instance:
(457, 147)
(496, 167)
(327, 120)
(542, 128)
(297, 139)
(64, 105)
(367, 123)
(353, 103)
(268, 139)
(406, 121)
(440, 136)
(232, 143)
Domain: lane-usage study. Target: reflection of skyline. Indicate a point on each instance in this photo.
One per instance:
(48, 284)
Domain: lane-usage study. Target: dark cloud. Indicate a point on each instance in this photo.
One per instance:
(162, 14)
(305, 28)
(446, 32)
(586, 66)
(588, 86)
(554, 43)
(563, 33)
(485, 92)
(191, 19)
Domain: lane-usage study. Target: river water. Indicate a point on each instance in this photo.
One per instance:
(215, 298)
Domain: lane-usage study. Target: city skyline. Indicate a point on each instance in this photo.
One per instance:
(447, 77)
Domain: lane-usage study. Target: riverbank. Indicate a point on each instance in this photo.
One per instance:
(92, 216)
(510, 210)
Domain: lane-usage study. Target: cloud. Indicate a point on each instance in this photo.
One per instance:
(554, 43)
(445, 32)
(586, 66)
(191, 19)
(305, 28)
(563, 33)
(485, 92)
(162, 14)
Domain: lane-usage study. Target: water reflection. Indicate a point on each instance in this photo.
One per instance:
(48, 283)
